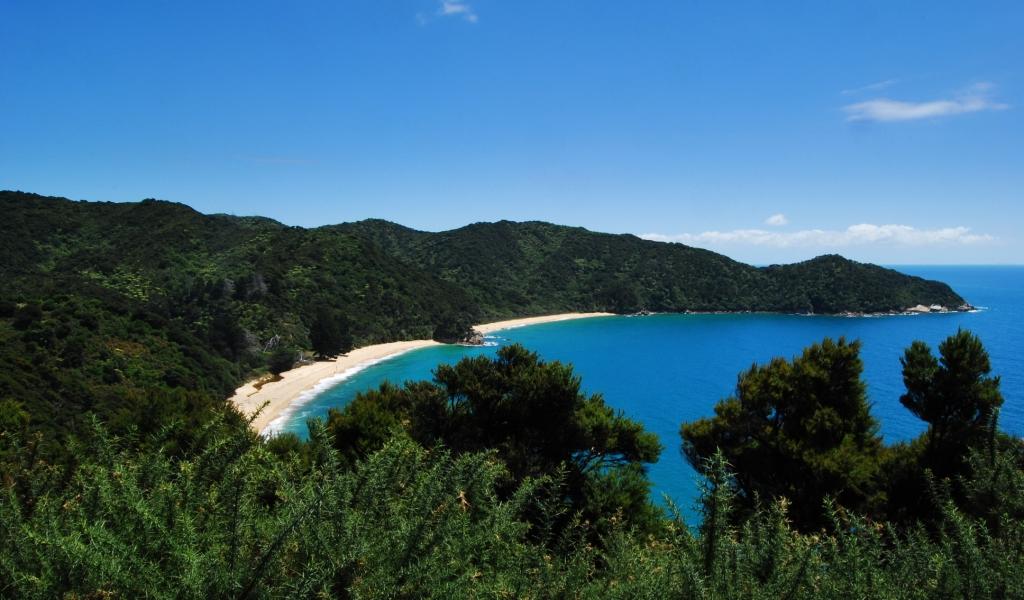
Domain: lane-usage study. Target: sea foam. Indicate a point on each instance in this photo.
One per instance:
(278, 424)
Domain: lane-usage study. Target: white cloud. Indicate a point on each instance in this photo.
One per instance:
(854, 235)
(974, 99)
(871, 87)
(457, 8)
(777, 220)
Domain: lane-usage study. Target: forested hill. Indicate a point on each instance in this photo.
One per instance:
(392, 281)
(512, 269)
(102, 303)
(147, 312)
(123, 328)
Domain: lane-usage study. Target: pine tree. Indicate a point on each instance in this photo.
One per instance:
(954, 393)
(797, 429)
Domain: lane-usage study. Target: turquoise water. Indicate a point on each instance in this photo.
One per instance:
(666, 369)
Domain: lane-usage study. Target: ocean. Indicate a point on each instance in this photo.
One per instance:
(664, 370)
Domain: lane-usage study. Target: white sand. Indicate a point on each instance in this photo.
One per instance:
(486, 328)
(301, 383)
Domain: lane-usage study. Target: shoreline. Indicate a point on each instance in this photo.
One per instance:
(299, 385)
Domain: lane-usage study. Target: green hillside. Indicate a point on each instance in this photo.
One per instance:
(104, 302)
(123, 473)
(512, 269)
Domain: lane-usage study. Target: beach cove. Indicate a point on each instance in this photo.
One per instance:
(279, 397)
(663, 370)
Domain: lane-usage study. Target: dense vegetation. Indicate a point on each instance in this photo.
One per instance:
(511, 269)
(797, 429)
(107, 307)
(455, 501)
(124, 326)
(104, 305)
(531, 414)
(802, 430)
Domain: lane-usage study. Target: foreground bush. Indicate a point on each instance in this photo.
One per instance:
(244, 518)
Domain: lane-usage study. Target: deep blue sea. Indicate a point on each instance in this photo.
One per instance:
(666, 369)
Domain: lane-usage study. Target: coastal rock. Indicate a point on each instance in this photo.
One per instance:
(475, 338)
(938, 308)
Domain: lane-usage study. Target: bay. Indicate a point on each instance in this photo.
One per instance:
(664, 370)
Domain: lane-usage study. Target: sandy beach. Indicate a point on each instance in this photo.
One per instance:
(305, 380)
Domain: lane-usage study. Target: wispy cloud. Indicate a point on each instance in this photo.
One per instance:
(975, 99)
(871, 87)
(777, 220)
(457, 8)
(854, 235)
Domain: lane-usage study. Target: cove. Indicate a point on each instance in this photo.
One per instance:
(664, 370)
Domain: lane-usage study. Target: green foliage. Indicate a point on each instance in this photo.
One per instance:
(460, 488)
(953, 394)
(992, 484)
(234, 520)
(102, 301)
(237, 518)
(453, 330)
(512, 269)
(498, 479)
(531, 413)
(13, 416)
(281, 359)
(106, 302)
(799, 429)
(958, 399)
(833, 284)
(328, 335)
(102, 355)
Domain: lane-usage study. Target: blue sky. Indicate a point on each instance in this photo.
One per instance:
(770, 131)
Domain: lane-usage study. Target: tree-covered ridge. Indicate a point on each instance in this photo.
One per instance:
(172, 258)
(833, 284)
(512, 269)
(165, 249)
(104, 303)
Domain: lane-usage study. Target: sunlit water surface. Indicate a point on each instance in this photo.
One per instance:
(668, 369)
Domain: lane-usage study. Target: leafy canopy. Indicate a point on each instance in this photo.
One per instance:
(103, 301)
(232, 515)
(799, 429)
(328, 334)
(239, 517)
(954, 393)
(530, 412)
